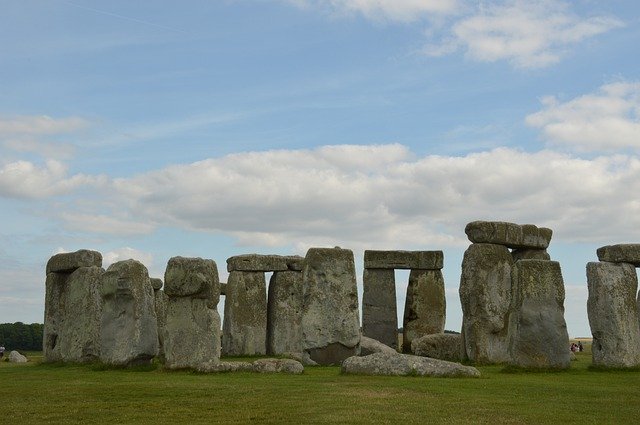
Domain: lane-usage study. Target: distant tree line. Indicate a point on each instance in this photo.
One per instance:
(19, 336)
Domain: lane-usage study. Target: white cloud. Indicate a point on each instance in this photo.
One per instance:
(607, 120)
(528, 34)
(105, 224)
(57, 150)
(127, 253)
(40, 125)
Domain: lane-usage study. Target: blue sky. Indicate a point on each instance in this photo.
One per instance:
(153, 129)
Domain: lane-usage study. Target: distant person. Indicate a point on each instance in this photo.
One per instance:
(580, 347)
(1, 351)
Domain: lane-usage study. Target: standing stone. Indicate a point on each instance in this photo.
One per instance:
(613, 314)
(425, 306)
(379, 311)
(129, 333)
(537, 330)
(330, 318)
(160, 303)
(244, 330)
(284, 313)
(439, 346)
(485, 296)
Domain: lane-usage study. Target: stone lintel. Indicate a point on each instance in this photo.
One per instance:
(69, 261)
(511, 235)
(620, 253)
(264, 263)
(407, 260)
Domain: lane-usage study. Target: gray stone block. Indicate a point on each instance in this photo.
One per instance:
(439, 346)
(423, 260)
(425, 306)
(192, 277)
(621, 253)
(284, 313)
(530, 254)
(257, 263)
(388, 364)
(379, 310)
(511, 235)
(70, 261)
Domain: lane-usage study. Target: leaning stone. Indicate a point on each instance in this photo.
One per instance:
(537, 330)
(510, 235)
(613, 314)
(245, 315)
(423, 260)
(530, 254)
(425, 306)
(257, 263)
(70, 261)
(406, 365)
(371, 346)
(15, 357)
(289, 366)
(193, 278)
(330, 316)
(379, 311)
(485, 296)
(284, 313)
(129, 332)
(621, 253)
(156, 283)
(439, 346)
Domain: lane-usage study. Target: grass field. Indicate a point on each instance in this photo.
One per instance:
(35, 393)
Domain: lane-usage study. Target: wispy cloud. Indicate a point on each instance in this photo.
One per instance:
(40, 125)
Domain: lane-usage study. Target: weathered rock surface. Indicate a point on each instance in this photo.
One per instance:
(129, 332)
(15, 357)
(485, 296)
(70, 261)
(245, 315)
(330, 318)
(264, 263)
(621, 253)
(284, 313)
(260, 366)
(425, 306)
(511, 235)
(423, 260)
(160, 303)
(613, 314)
(193, 278)
(379, 311)
(537, 330)
(439, 346)
(405, 364)
(371, 346)
(530, 254)
(156, 283)
(73, 307)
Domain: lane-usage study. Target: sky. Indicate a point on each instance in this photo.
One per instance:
(148, 130)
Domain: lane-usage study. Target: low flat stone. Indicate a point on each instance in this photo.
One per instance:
(278, 366)
(15, 357)
(511, 235)
(407, 260)
(620, 253)
(70, 261)
(439, 346)
(371, 346)
(405, 364)
(257, 263)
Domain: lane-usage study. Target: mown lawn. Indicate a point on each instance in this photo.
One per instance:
(37, 393)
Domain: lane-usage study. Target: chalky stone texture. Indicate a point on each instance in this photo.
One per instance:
(537, 330)
(371, 346)
(73, 307)
(423, 260)
(284, 313)
(15, 357)
(405, 364)
(129, 332)
(613, 314)
(70, 261)
(621, 253)
(530, 254)
(330, 318)
(425, 306)
(511, 235)
(439, 346)
(193, 278)
(244, 331)
(379, 311)
(485, 296)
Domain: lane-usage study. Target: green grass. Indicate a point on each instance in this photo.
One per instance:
(37, 393)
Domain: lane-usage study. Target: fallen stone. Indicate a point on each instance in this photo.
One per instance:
(284, 313)
(278, 366)
(537, 330)
(621, 253)
(70, 261)
(510, 235)
(425, 306)
(379, 311)
(371, 346)
(405, 365)
(530, 254)
(15, 357)
(330, 316)
(439, 346)
(192, 277)
(423, 260)
(613, 314)
(485, 296)
(257, 263)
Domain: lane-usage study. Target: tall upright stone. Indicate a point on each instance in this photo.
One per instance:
(160, 303)
(330, 318)
(538, 335)
(244, 329)
(284, 313)
(613, 314)
(192, 329)
(73, 307)
(379, 311)
(485, 296)
(129, 330)
(425, 306)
